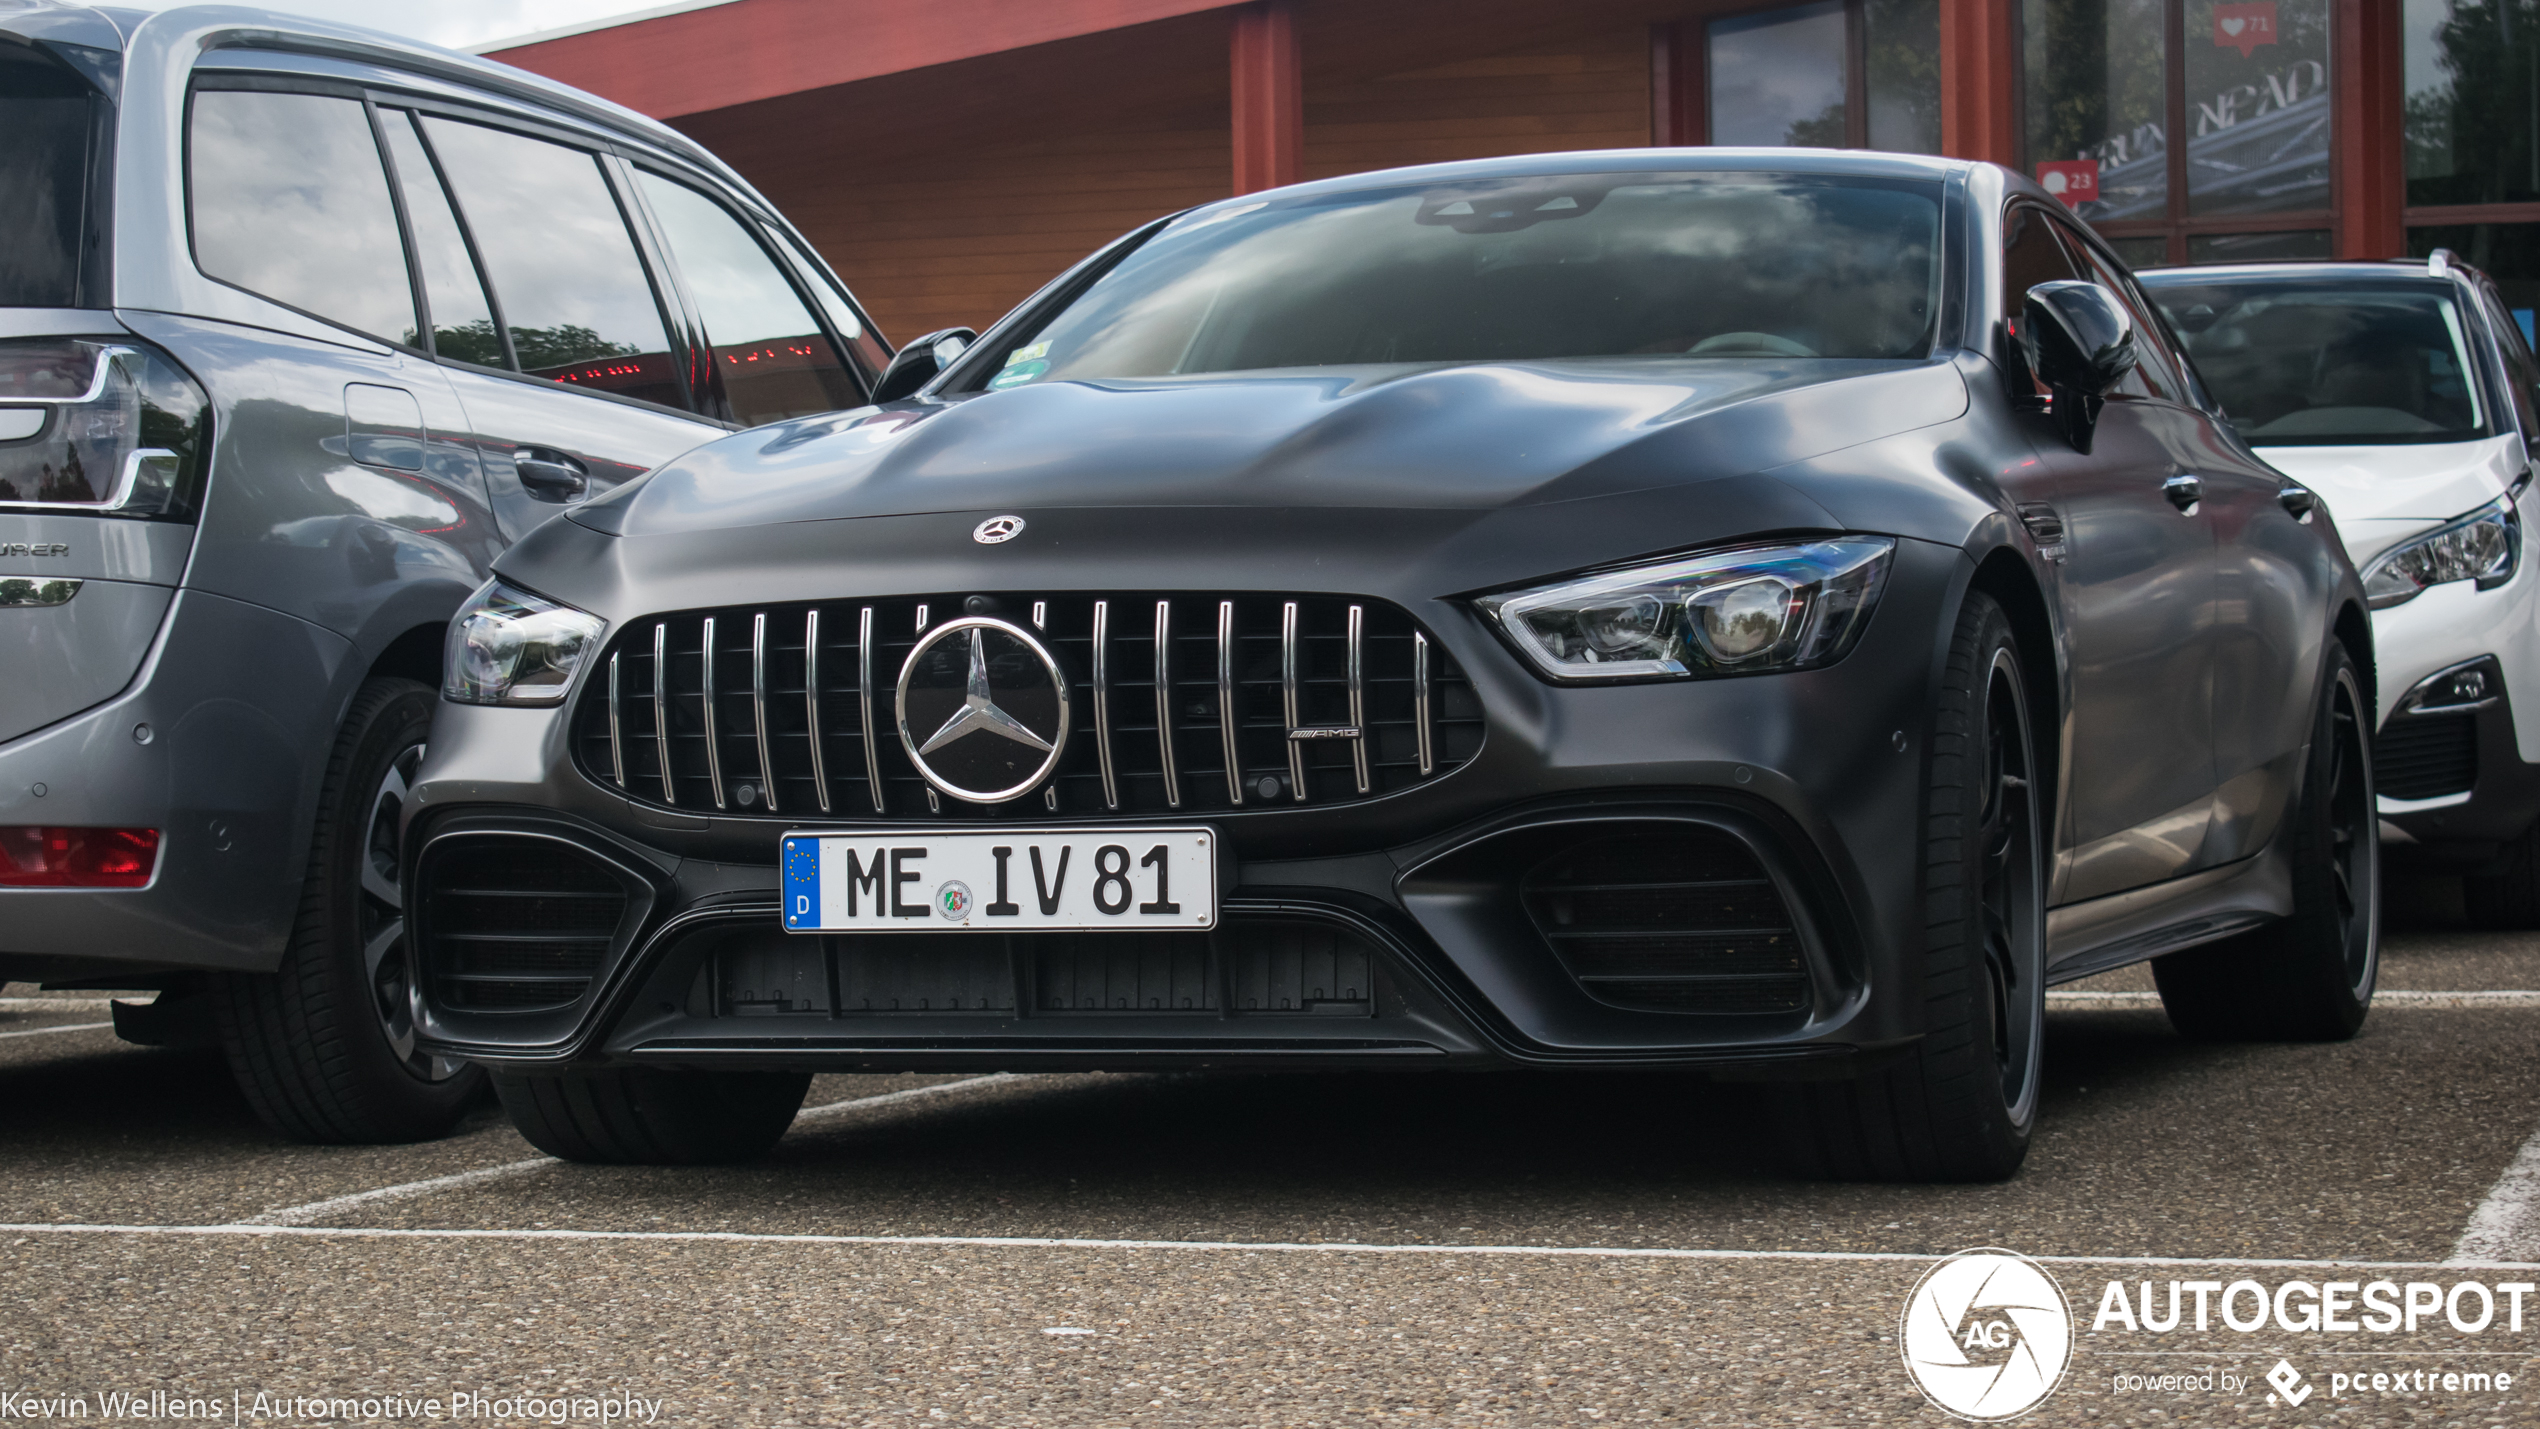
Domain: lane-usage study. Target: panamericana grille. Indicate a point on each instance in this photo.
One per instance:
(1257, 701)
(1686, 922)
(2426, 756)
(515, 925)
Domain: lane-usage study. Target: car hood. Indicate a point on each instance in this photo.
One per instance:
(2382, 494)
(1474, 438)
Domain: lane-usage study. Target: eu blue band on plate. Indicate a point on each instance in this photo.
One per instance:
(802, 883)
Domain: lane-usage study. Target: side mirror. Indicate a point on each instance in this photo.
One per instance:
(919, 362)
(2079, 342)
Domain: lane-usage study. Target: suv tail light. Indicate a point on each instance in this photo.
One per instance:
(100, 426)
(40, 856)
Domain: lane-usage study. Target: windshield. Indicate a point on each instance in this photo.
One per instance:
(55, 124)
(1594, 265)
(2324, 363)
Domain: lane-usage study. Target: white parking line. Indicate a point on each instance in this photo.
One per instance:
(54, 1004)
(1562, 1252)
(2505, 1222)
(2386, 997)
(320, 1210)
(48, 1031)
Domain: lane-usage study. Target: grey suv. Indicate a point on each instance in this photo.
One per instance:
(300, 326)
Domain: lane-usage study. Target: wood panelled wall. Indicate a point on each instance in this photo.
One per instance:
(955, 239)
(1590, 92)
(951, 230)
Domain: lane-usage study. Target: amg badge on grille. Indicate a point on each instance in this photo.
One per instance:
(982, 709)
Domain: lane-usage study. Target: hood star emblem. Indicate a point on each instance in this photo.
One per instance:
(979, 713)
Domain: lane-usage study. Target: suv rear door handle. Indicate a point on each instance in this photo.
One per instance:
(551, 475)
(2184, 492)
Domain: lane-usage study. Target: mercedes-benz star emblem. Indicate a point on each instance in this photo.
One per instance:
(982, 709)
(997, 530)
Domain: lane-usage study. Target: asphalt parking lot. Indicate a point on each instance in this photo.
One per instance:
(1272, 1250)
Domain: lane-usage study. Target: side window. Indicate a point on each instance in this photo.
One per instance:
(2155, 372)
(2522, 376)
(770, 357)
(462, 321)
(844, 320)
(289, 200)
(2030, 256)
(575, 301)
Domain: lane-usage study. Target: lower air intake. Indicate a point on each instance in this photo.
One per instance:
(515, 924)
(1682, 922)
(2426, 756)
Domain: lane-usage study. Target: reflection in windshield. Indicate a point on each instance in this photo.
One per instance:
(2317, 363)
(1720, 266)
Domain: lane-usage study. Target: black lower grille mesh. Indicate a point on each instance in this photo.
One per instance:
(1681, 922)
(515, 924)
(1257, 966)
(2426, 756)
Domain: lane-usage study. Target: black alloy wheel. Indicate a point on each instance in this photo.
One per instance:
(388, 969)
(2010, 892)
(324, 1046)
(2307, 977)
(1961, 1103)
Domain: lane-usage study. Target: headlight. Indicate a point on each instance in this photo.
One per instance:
(508, 647)
(1737, 612)
(2481, 547)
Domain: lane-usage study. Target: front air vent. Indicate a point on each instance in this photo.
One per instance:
(1673, 922)
(1179, 703)
(513, 924)
(2426, 756)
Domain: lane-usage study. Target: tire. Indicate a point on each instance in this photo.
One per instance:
(2308, 977)
(648, 1116)
(324, 1046)
(1961, 1103)
(2507, 900)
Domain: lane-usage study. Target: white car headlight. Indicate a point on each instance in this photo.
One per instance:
(1789, 606)
(2482, 546)
(508, 647)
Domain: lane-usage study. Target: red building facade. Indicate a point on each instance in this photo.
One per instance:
(949, 156)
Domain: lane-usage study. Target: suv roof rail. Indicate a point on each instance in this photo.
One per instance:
(2439, 263)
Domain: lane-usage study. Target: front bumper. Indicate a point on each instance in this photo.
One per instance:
(1402, 930)
(2454, 786)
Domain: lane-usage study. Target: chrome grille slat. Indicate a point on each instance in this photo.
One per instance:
(811, 706)
(1420, 701)
(1164, 702)
(1341, 697)
(617, 739)
(714, 753)
(864, 706)
(1102, 704)
(1226, 710)
(1288, 697)
(758, 708)
(1358, 695)
(661, 712)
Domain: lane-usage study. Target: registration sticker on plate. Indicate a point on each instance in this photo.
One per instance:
(1008, 880)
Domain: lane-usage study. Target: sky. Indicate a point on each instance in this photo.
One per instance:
(460, 24)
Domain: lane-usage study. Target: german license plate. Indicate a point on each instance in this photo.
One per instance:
(1006, 881)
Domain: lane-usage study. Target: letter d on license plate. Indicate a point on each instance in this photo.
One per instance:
(1008, 881)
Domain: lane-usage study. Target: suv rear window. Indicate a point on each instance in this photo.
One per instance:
(50, 181)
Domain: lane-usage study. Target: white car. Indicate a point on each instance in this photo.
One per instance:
(2402, 396)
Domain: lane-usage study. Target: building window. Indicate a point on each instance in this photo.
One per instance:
(2108, 82)
(2472, 121)
(1857, 74)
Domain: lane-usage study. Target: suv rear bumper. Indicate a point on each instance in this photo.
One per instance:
(231, 694)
